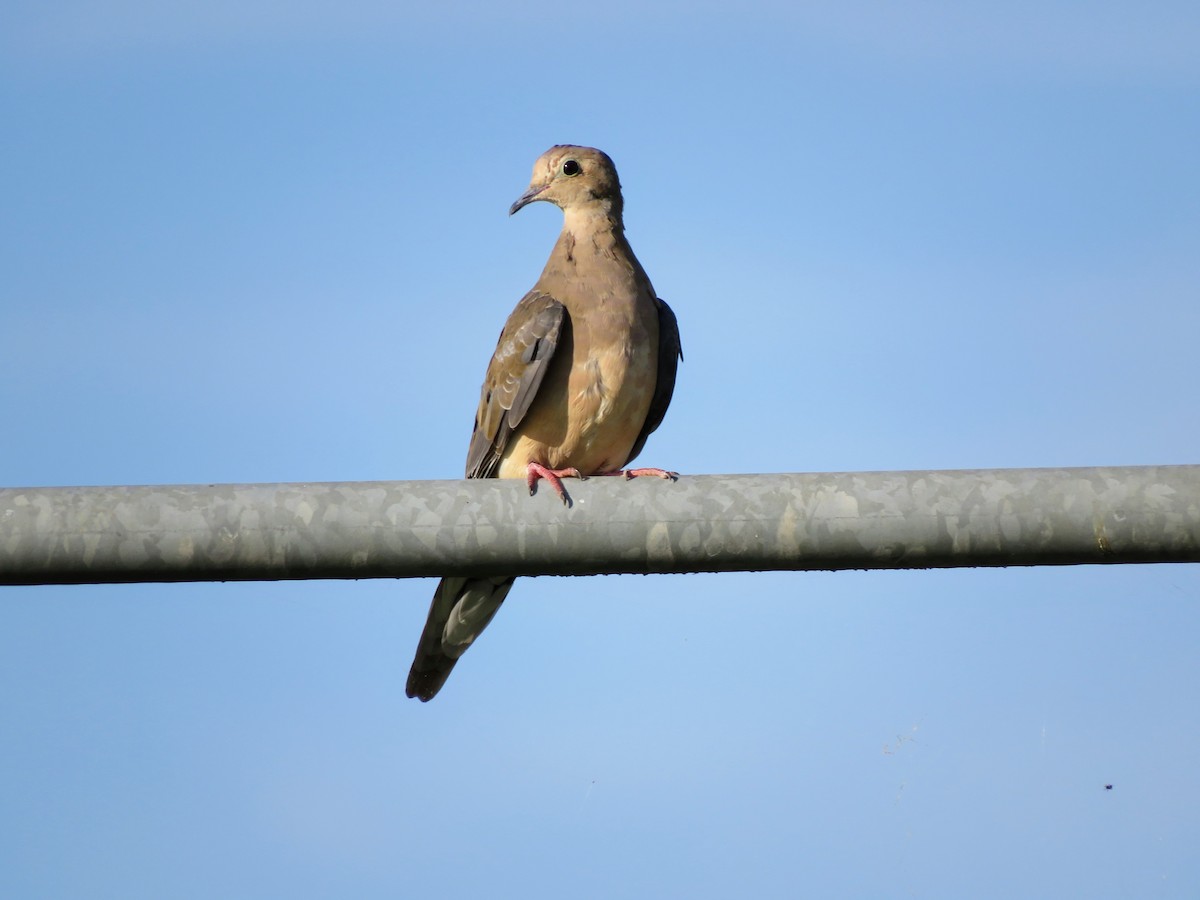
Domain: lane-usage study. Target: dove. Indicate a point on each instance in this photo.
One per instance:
(582, 374)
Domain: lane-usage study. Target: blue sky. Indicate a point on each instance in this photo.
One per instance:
(256, 242)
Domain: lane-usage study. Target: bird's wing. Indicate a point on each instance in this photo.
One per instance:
(523, 353)
(670, 352)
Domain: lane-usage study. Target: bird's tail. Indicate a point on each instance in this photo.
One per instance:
(461, 609)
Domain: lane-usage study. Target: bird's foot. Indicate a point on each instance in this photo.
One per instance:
(638, 473)
(536, 471)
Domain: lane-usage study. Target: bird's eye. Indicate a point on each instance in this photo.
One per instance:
(571, 167)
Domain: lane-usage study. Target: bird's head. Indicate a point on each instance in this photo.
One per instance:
(574, 178)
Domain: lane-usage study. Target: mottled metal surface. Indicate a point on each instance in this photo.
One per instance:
(698, 524)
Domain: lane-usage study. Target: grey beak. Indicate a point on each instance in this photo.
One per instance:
(528, 197)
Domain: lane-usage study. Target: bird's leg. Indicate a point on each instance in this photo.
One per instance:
(535, 471)
(637, 473)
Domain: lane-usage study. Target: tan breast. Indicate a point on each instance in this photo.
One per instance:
(591, 408)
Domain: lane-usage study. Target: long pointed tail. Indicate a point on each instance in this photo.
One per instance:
(461, 609)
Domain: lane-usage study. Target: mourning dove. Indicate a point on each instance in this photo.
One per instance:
(582, 374)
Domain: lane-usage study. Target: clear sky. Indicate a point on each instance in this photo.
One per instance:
(248, 241)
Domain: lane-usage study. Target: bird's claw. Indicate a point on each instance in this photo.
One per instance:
(657, 473)
(536, 471)
(628, 474)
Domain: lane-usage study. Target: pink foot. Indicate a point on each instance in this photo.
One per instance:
(637, 473)
(535, 471)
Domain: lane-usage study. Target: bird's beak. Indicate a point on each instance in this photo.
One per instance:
(528, 197)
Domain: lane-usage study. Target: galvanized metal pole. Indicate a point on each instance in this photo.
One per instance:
(706, 523)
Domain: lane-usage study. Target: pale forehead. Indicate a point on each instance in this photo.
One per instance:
(550, 160)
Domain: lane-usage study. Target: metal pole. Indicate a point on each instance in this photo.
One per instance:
(707, 523)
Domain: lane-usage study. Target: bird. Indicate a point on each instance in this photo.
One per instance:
(583, 372)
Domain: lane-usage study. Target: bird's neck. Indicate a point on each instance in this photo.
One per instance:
(592, 232)
(592, 249)
(591, 220)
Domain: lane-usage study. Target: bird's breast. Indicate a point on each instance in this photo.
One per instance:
(594, 402)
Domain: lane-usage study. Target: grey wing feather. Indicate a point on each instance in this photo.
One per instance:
(523, 353)
(670, 352)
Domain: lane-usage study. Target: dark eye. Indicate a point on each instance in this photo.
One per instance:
(571, 167)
